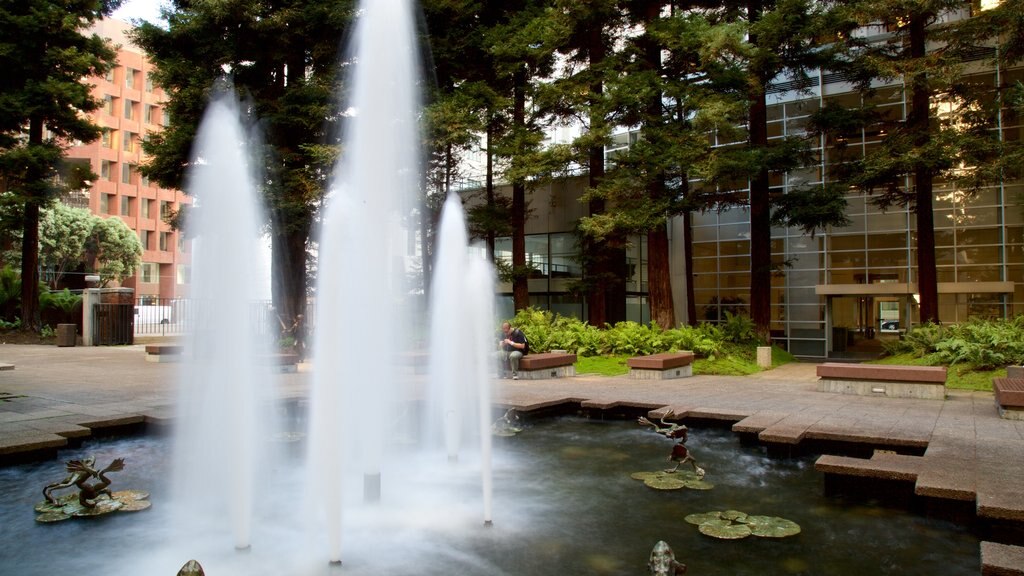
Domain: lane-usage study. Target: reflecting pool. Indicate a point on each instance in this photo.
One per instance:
(564, 503)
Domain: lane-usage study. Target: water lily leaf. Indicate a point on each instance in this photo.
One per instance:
(644, 475)
(134, 505)
(698, 484)
(103, 506)
(703, 517)
(729, 532)
(734, 515)
(52, 517)
(772, 526)
(126, 495)
(665, 482)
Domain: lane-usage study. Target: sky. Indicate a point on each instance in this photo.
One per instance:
(148, 10)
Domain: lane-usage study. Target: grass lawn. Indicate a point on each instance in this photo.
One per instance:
(958, 377)
(735, 361)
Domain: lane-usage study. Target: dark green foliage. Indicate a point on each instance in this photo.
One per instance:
(739, 329)
(46, 53)
(547, 331)
(63, 300)
(975, 345)
(10, 292)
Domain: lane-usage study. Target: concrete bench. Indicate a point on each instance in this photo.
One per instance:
(547, 365)
(663, 366)
(164, 352)
(283, 362)
(895, 381)
(1009, 397)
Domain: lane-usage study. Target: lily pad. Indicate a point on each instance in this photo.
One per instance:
(665, 482)
(662, 480)
(700, 518)
(68, 506)
(126, 495)
(772, 526)
(104, 506)
(728, 532)
(48, 517)
(734, 515)
(698, 484)
(734, 524)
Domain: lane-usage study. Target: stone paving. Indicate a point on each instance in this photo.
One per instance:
(969, 454)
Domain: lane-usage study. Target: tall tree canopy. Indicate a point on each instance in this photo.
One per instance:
(946, 133)
(283, 57)
(45, 54)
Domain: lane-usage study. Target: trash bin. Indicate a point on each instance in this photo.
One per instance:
(66, 335)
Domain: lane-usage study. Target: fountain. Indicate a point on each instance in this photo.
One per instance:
(364, 318)
(389, 483)
(225, 394)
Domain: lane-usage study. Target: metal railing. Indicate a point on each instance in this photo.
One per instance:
(112, 324)
(176, 316)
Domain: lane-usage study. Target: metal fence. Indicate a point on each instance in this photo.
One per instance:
(175, 316)
(112, 324)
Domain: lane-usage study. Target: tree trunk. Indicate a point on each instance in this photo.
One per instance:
(760, 209)
(489, 187)
(30, 317)
(659, 281)
(605, 257)
(919, 123)
(520, 277)
(659, 284)
(288, 246)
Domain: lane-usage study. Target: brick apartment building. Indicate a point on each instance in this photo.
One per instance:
(132, 108)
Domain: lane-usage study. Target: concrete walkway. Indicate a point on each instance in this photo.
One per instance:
(969, 453)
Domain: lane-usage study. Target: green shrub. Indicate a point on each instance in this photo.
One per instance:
(548, 331)
(64, 300)
(739, 329)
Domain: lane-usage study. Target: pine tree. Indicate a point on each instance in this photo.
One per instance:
(947, 130)
(283, 59)
(770, 40)
(45, 54)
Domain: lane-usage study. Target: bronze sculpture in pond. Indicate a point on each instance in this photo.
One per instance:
(663, 561)
(93, 498)
(678, 432)
(80, 472)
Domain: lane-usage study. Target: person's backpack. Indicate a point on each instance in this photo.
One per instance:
(526, 341)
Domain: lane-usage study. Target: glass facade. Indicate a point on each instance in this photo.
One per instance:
(856, 283)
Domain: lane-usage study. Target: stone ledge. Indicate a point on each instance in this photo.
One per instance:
(32, 443)
(757, 422)
(881, 465)
(1001, 560)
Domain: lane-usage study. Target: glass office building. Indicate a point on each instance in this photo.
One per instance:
(839, 289)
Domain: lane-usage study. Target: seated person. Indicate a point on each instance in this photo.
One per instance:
(513, 347)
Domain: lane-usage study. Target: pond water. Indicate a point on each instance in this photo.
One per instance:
(564, 504)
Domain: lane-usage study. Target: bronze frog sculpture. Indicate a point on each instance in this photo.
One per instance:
(663, 561)
(81, 471)
(679, 432)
